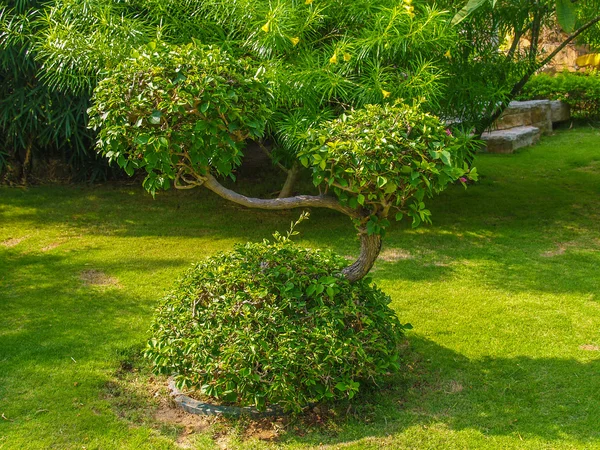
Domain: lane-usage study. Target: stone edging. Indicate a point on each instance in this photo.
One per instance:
(192, 406)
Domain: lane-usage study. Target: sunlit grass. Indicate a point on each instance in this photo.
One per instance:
(503, 292)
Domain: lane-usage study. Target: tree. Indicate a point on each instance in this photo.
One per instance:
(491, 64)
(323, 81)
(329, 56)
(184, 113)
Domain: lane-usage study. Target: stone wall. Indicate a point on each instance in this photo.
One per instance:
(565, 60)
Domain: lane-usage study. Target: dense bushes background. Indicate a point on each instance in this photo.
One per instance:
(51, 55)
(580, 90)
(322, 58)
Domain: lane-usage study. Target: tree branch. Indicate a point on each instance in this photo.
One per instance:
(570, 39)
(299, 201)
(267, 152)
(485, 124)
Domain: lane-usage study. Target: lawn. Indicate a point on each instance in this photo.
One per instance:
(503, 291)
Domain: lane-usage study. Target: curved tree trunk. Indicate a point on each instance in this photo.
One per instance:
(370, 246)
(292, 176)
(298, 201)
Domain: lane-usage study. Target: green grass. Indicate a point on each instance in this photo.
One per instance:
(503, 292)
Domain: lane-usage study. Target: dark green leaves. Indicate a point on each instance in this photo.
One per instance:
(184, 110)
(378, 158)
(270, 323)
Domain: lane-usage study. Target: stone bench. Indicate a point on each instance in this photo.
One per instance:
(522, 123)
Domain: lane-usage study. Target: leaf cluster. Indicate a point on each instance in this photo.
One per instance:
(581, 91)
(179, 110)
(385, 160)
(268, 324)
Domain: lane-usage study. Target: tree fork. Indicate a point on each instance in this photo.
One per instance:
(288, 187)
(370, 245)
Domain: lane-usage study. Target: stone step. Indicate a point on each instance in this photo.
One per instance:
(535, 113)
(507, 141)
(561, 111)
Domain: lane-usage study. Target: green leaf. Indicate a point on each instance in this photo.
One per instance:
(155, 117)
(390, 188)
(446, 158)
(467, 10)
(566, 15)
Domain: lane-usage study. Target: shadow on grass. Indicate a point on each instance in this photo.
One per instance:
(51, 317)
(50, 311)
(505, 246)
(548, 398)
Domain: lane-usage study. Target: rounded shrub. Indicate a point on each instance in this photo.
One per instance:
(273, 323)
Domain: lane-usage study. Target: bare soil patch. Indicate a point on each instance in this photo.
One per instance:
(590, 348)
(454, 387)
(51, 246)
(190, 423)
(13, 242)
(593, 167)
(561, 248)
(97, 278)
(394, 255)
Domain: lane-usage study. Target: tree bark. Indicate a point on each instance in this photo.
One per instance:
(298, 201)
(292, 176)
(370, 246)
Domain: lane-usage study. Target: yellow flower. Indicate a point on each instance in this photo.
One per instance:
(308, 2)
(408, 2)
(266, 27)
(295, 40)
(448, 54)
(333, 59)
(385, 93)
(410, 9)
(347, 56)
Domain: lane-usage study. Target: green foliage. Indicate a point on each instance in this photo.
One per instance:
(566, 14)
(580, 90)
(179, 110)
(323, 57)
(499, 47)
(268, 324)
(50, 57)
(385, 160)
(469, 8)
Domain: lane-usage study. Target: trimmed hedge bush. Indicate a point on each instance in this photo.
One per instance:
(580, 91)
(273, 323)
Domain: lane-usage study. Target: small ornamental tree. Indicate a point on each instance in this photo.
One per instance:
(271, 323)
(184, 113)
